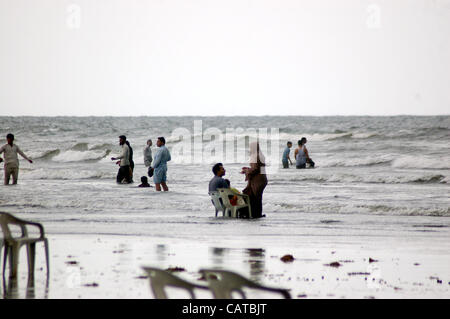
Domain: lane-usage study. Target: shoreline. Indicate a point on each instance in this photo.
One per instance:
(109, 266)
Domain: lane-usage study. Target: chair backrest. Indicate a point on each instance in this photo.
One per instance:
(160, 278)
(6, 220)
(215, 197)
(223, 283)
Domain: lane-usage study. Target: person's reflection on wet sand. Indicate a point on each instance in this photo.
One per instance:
(218, 255)
(256, 260)
(161, 253)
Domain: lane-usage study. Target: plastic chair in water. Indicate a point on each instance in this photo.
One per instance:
(233, 209)
(13, 244)
(159, 279)
(223, 283)
(215, 198)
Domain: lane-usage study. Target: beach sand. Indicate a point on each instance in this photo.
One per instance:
(109, 266)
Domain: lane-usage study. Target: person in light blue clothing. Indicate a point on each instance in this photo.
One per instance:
(286, 159)
(160, 165)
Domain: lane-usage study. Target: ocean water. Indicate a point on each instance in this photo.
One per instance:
(375, 176)
(382, 181)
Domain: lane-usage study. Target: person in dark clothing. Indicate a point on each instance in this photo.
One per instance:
(131, 161)
(257, 179)
(144, 181)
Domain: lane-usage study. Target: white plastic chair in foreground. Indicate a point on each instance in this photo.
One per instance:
(233, 209)
(215, 198)
(159, 279)
(223, 283)
(13, 244)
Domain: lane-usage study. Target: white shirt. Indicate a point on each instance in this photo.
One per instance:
(10, 156)
(124, 157)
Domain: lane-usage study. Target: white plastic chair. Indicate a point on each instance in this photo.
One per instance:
(215, 198)
(159, 279)
(13, 244)
(233, 210)
(223, 283)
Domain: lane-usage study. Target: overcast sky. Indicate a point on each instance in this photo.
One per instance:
(233, 57)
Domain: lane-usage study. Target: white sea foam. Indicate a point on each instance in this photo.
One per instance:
(65, 174)
(77, 156)
(422, 161)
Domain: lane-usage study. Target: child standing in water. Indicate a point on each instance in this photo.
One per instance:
(286, 159)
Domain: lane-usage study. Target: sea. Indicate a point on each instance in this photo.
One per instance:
(377, 179)
(385, 169)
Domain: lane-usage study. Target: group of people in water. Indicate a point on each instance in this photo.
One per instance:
(156, 169)
(256, 178)
(255, 174)
(301, 155)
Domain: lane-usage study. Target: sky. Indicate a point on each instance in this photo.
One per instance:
(234, 57)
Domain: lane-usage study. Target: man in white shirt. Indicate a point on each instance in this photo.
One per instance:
(123, 161)
(11, 160)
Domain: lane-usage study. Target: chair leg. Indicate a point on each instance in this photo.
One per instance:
(1, 247)
(158, 292)
(14, 261)
(47, 258)
(31, 252)
(5, 258)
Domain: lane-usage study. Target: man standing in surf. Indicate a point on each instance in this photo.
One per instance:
(123, 175)
(159, 167)
(11, 160)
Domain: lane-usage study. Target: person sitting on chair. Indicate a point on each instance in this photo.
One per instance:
(218, 181)
(235, 199)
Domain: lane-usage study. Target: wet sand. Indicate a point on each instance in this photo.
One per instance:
(109, 266)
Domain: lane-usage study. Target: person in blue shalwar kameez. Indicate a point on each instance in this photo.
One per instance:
(160, 165)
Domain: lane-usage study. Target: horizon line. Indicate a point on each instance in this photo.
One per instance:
(224, 115)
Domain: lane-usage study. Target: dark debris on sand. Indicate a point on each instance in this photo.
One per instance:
(372, 260)
(358, 273)
(334, 264)
(94, 284)
(287, 258)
